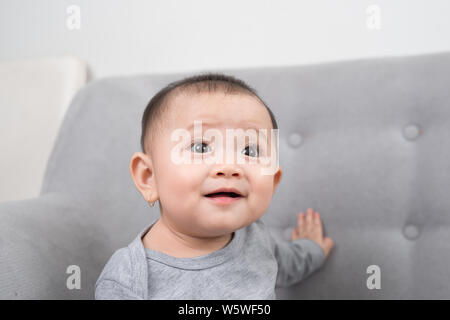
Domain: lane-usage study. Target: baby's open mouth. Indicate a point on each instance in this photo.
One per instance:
(223, 194)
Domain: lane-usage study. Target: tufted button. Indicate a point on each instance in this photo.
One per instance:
(411, 231)
(295, 140)
(411, 131)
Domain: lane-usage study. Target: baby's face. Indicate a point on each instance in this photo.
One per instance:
(182, 187)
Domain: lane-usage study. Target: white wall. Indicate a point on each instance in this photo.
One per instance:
(136, 36)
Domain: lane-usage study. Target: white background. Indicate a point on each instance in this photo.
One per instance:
(119, 37)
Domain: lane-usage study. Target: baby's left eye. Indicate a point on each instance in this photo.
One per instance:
(253, 152)
(198, 146)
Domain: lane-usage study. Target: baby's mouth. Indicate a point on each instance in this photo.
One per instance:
(223, 198)
(223, 195)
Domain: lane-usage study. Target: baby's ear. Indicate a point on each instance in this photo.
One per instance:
(142, 173)
(277, 178)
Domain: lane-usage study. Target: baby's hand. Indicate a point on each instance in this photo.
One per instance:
(310, 226)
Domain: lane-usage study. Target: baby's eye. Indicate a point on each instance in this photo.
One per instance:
(253, 152)
(198, 146)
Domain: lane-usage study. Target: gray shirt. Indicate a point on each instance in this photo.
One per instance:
(257, 260)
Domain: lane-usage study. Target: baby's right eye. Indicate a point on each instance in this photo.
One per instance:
(198, 146)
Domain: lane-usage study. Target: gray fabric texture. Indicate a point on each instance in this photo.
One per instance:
(366, 143)
(255, 262)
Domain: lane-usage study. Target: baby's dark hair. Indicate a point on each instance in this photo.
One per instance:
(209, 82)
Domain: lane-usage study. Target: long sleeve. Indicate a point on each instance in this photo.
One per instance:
(296, 259)
(111, 290)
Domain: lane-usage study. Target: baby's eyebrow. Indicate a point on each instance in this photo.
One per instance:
(264, 137)
(261, 131)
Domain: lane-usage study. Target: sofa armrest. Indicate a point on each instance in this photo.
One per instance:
(39, 239)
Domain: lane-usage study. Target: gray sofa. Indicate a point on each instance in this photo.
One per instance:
(366, 143)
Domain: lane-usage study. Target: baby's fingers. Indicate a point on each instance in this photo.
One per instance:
(300, 225)
(318, 222)
(314, 225)
(301, 219)
(317, 219)
(309, 216)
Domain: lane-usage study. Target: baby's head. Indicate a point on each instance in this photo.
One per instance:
(223, 104)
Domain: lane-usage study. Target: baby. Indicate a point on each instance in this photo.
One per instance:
(209, 241)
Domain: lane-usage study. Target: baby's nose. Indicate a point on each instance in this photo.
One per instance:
(228, 170)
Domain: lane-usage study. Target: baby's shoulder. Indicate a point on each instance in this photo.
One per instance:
(118, 266)
(258, 230)
(118, 278)
(259, 225)
(121, 257)
(263, 231)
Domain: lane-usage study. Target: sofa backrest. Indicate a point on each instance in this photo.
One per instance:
(366, 143)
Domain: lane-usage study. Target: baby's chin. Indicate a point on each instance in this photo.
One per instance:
(224, 225)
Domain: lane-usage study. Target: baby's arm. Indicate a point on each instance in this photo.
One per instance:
(305, 253)
(310, 226)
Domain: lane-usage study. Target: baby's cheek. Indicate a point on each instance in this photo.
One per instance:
(178, 181)
(262, 192)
